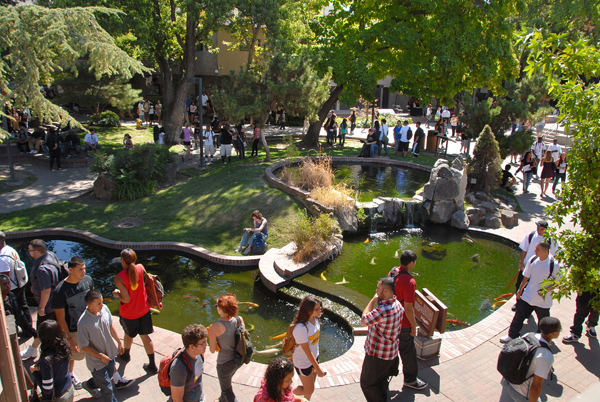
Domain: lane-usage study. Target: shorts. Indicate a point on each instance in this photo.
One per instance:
(76, 355)
(465, 143)
(41, 319)
(209, 149)
(403, 147)
(305, 372)
(187, 143)
(225, 150)
(138, 326)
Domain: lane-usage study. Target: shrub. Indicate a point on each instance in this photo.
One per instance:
(313, 236)
(315, 173)
(105, 119)
(136, 172)
(486, 165)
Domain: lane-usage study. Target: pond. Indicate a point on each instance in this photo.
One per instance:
(192, 287)
(464, 284)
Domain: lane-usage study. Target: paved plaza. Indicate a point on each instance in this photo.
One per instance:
(465, 371)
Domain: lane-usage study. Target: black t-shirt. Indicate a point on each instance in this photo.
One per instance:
(72, 140)
(70, 297)
(225, 136)
(505, 176)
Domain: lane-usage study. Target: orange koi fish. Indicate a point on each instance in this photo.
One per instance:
(504, 296)
(278, 336)
(249, 304)
(458, 322)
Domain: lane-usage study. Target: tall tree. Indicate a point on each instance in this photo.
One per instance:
(486, 164)
(431, 48)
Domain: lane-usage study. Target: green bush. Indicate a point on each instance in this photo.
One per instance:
(136, 172)
(105, 119)
(313, 236)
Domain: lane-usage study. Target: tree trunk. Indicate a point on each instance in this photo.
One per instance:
(252, 47)
(264, 140)
(312, 136)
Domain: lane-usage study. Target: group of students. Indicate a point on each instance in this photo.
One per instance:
(378, 139)
(552, 160)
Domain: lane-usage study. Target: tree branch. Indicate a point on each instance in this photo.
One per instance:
(174, 19)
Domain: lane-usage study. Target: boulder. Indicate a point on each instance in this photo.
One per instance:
(471, 198)
(444, 172)
(474, 220)
(488, 206)
(483, 197)
(460, 220)
(392, 211)
(458, 163)
(446, 189)
(428, 191)
(442, 211)
(170, 172)
(440, 162)
(347, 219)
(492, 222)
(509, 218)
(105, 189)
(434, 251)
(477, 212)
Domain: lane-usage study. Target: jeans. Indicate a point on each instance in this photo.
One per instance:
(509, 394)
(582, 311)
(561, 176)
(241, 150)
(527, 177)
(102, 379)
(408, 355)
(55, 154)
(374, 148)
(247, 236)
(374, 378)
(225, 372)
(385, 148)
(524, 310)
(254, 147)
(23, 147)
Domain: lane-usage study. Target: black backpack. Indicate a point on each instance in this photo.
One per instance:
(396, 277)
(531, 237)
(516, 357)
(409, 134)
(243, 345)
(62, 269)
(551, 264)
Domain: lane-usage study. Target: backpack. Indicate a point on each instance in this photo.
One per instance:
(154, 290)
(19, 272)
(289, 342)
(516, 356)
(243, 345)
(409, 134)
(531, 237)
(259, 243)
(164, 378)
(551, 264)
(181, 135)
(62, 269)
(395, 278)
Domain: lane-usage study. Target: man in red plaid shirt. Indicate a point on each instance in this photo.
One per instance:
(383, 316)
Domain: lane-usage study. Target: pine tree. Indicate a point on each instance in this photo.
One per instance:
(486, 165)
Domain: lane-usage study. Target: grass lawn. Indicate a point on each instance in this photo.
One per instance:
(26, 177)
(210, 209)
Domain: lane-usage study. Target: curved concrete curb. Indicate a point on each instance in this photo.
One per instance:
(185, 248)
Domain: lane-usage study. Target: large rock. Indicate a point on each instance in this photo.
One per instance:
(458, 163)
(460, 220)
(492, 222)
(488, 206)
(442, 211)
(428, 190)
(392, 211)
(483, 196)
(440, 162)
(509, 218)
(105, 189)
(170, 172)
(446, 189)
(347, 219)
(444, 172)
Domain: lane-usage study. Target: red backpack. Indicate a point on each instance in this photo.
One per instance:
(164, 378)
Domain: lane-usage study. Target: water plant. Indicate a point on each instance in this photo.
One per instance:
(313, 236)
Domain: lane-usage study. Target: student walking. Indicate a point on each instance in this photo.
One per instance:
(187, 368)
(561, 171)
(307, 330)
(277, 384)
(584, 310)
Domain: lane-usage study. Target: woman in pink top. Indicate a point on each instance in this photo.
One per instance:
(134, 308)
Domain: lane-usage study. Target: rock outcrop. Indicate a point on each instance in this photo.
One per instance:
(446, 190)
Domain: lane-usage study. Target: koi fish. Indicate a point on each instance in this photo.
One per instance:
(475, 257)
(281, 336)
(205, 303)
(275, 351)
(249, 304)
(188, 296)
(468, 239)
(486, 303)
(196, 299)
(366, 241)
(278, 344)
(343, 282)
(373, 261)
(107, 299)
(249, 327)
(458, 323)
(323, 276)
(498, 304)
(504, 296)
(154, 311)
(396, 256)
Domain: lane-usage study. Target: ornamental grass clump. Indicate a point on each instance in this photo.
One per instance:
(315, 173)
(313, 236)
(340, 197)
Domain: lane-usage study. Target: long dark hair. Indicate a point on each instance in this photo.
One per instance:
(55, 346)
(275, 374)
(130, 257)
(307, 306)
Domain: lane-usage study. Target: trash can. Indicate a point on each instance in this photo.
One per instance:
(138, 123)
(432, 140)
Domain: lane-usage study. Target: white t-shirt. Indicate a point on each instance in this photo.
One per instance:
(384, 131)
(204, 99)
(540, 365)
(539, 148)
(562, 168)
(446, 114)
(404, 133)
(537, 272)
(7, 264)
(91, 139)
(530, 246)
(556, 150)
(301, 335)
(208, 137)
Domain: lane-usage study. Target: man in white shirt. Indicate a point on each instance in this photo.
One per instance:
(404, 138)
(529, 296)
(383, 137)
(556, 149)
(209, 144)
(539, 148)
(539, 368)
(91, 142)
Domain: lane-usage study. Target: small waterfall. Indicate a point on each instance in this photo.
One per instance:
(409, 213)
(374, 217)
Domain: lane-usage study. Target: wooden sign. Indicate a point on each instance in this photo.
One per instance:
(426, 313)
(441, 320)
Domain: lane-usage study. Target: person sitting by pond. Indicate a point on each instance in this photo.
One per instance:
(261, 228)
(37, 139)
(72, 143)
(127, 143)
(277, 384)
(369, 145)
(508, 180)
(23, 140)
(91, 142)
(222, 333)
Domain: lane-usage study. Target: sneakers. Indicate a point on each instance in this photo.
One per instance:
(150, 369)
(572, 338)
(94, 392)
(246, 251)
(238, 250)
(416, 384)
(505, 339)
(124, 357)
(514, 307)
(122, 384)
(76, 383)
(591, 332)
(29, 353)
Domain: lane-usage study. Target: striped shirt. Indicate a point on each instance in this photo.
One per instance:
(384, 329)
